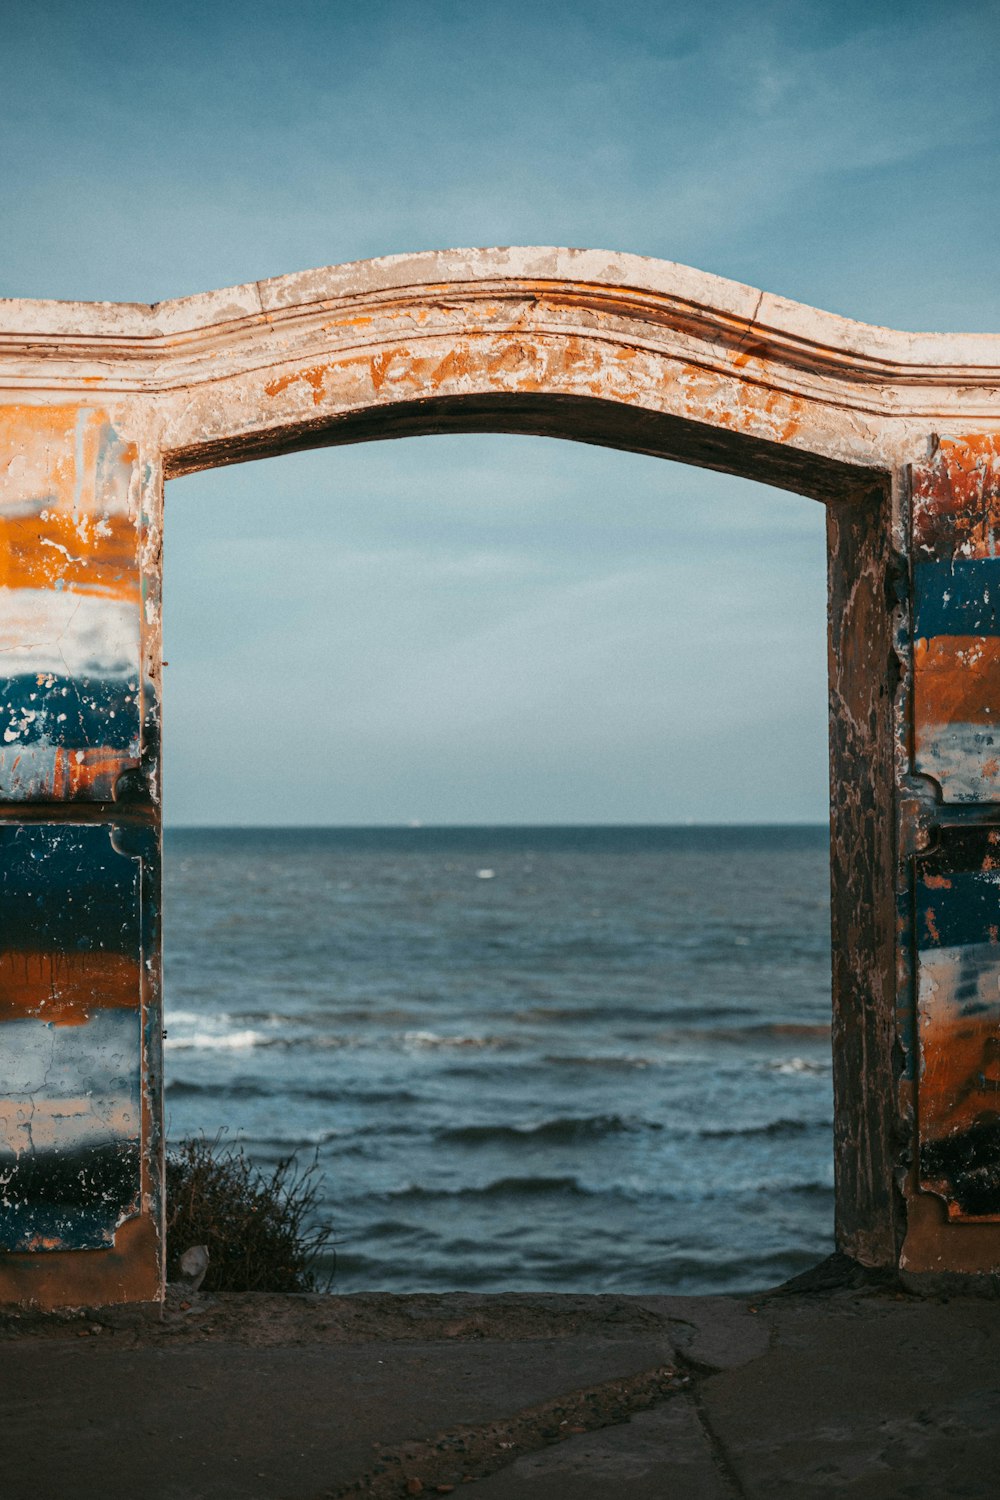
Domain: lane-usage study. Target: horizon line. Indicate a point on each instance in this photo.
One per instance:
(419, 826)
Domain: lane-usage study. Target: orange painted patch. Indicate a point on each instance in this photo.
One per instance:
(750, 353)
(961, 1077)
(956, 680)
(379, 369)
(956, 497)
(39, 447)
(52, 456)
(314, 377)
(93, 555)
(64, 988)
(456, 365)
(88, 774)
(520, 360)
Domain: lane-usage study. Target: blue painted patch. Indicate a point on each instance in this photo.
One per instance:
(67, 889)
(963, 914)
(958, 889)
(68, 1199)
(74, 712)
(960, 596)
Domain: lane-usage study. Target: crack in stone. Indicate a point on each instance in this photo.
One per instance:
(476, 1451)
(717, 1450)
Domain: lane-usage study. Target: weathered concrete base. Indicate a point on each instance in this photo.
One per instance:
(128, 1272)
(857, 1390)
(656, 1454)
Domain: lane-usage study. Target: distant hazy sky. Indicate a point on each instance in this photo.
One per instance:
(500, 629)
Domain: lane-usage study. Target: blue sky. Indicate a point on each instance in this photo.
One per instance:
(500, 628)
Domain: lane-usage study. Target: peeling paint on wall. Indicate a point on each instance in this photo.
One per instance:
(70, 1043)
(958, 933)
(956, 731)
(956, 585)
(70, 701)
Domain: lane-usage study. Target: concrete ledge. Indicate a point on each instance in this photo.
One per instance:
(862, 1391)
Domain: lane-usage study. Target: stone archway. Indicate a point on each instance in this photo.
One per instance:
(100, 403)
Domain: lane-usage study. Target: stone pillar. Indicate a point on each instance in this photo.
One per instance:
(79, 1022)
(863, 560)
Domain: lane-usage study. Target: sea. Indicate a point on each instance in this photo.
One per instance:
(577, 1059)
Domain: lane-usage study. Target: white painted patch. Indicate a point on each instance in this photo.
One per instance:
(69, 1086)
(954, 978)
(961, 758)
(62, 633)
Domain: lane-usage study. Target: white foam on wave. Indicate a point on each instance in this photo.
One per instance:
(193, 1031)
(419, 1040)
(213, 1041)
(193, 1018)
(799, 1065)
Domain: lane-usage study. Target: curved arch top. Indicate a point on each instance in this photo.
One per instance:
(605, 347)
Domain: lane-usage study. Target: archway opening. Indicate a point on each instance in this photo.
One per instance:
(497, 864)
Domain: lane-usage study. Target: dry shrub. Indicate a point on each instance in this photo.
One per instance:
(261, 1230)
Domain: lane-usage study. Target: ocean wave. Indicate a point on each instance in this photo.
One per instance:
(250, 1088)
(193, 1017)
(566, 1130)
(613, 1061)
(194, 1031)
(748, 1271)
(344, 1093)
(792, 1065)
(708, 1012)
(218, 1041)
(218, 1034)
(616, 1012)
(397, 1229)
(432, 1040)
(502, 1187)
(483, 1269)
(242, 1088)
(753, 1031)
(300, 1139)
(772, 1127)
(752, 1035)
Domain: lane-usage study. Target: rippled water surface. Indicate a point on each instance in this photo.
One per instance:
(572, 1059)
